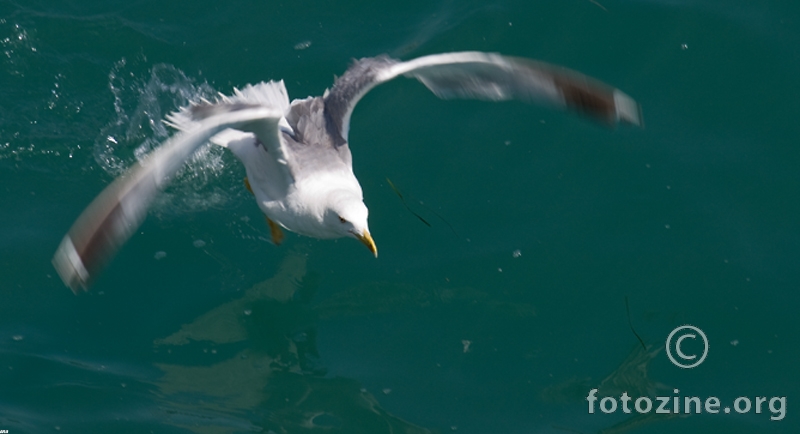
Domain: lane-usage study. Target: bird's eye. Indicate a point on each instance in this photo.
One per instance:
(341, 219)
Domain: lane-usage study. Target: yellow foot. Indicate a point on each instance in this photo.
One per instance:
(274, 230)
(247, 185)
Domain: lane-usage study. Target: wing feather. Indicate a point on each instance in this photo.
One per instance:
(486, 76)
(117, 212)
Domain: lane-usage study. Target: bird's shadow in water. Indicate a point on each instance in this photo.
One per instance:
(252, 364)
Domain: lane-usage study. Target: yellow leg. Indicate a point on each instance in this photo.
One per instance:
(275, 231)
(274, 228)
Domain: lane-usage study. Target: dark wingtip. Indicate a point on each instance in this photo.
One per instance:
(598, 100)
(92, 241)
(70, 267)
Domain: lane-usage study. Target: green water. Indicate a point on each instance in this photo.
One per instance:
(499, 317)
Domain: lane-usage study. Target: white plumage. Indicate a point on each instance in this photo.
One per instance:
(296, 155)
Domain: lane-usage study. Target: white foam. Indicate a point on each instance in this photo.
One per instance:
(140, 105)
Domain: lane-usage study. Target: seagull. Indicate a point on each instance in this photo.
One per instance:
(297, 156)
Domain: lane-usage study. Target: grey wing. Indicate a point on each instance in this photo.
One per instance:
(486, 76)
(118, 211)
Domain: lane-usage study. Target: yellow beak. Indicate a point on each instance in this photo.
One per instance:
(367, 240)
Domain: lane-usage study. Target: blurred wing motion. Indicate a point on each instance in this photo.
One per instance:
(119, 210)
(484, 76)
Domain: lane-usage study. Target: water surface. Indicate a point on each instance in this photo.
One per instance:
(499, 316)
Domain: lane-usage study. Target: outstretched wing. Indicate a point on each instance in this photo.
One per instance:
(118, 211)
(484, 76)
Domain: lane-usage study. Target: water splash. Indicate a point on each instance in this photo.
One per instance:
(140, 105)
(16, 44)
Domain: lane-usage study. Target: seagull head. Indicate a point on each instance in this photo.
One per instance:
(346, 216)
